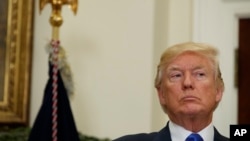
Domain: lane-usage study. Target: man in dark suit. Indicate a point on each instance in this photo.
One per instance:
(190, 87)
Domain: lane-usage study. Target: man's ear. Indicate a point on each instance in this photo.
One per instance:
(161, 96)
(219, 94)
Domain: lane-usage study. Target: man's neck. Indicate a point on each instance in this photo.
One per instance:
(178, 133)
(193, 124)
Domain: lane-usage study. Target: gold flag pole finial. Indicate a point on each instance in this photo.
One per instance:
(56, 18)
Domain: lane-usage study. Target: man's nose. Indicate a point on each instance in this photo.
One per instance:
(188, 82)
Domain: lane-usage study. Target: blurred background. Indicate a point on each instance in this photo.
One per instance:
(113, 47)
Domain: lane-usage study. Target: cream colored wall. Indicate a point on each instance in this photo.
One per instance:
(113, 48)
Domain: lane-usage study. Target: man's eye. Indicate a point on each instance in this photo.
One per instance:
(200, 75)
(175, 76)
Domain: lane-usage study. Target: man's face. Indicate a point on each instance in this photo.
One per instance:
(189, 87)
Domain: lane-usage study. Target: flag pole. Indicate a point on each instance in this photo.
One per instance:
(56, 21)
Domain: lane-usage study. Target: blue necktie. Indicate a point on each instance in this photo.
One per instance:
(194, 137)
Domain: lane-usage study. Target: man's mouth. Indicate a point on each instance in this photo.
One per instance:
(189, 98)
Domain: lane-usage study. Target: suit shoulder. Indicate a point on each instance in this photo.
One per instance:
(219, 137)
(223, 138)
(138, 137)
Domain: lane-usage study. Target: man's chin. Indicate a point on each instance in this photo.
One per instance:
(192, 110)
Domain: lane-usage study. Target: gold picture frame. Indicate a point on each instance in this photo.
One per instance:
(16, 54)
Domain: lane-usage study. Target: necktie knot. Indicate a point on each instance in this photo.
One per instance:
(194, 137)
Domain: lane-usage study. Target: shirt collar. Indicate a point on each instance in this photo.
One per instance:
(179, 133)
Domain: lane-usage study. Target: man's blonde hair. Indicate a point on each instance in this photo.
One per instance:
(206, 50)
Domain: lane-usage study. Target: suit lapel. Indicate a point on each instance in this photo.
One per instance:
(163, 135)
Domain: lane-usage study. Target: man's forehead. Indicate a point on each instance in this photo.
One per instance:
(189, 58)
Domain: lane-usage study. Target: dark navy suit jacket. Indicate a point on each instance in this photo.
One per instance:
(162, 135)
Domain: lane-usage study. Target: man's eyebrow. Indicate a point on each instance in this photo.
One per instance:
(177, 68)
(198, 68)
(173, 68)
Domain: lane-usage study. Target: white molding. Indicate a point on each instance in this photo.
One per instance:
(239, 14)
(196, 20)
(242, 13)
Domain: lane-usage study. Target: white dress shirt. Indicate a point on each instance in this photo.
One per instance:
(179, 133)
